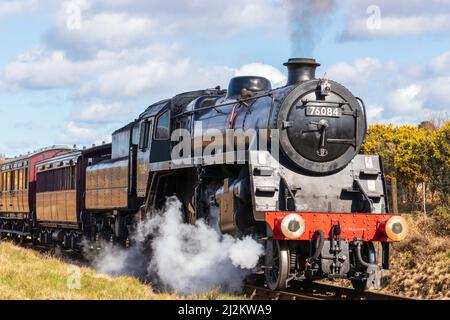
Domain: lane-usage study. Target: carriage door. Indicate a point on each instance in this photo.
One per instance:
(143, 156)
(161, 138)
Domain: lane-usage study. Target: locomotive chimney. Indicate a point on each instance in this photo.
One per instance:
(301, 69)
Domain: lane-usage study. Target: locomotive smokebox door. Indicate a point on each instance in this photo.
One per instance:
(321, 133)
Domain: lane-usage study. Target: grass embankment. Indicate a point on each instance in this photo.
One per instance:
(420, 268)
(27, 274)
(420, 265)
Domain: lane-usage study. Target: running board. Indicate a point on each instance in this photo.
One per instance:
(15, 232)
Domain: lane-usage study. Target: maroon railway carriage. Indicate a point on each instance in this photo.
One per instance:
(17, 191)
(60, 197)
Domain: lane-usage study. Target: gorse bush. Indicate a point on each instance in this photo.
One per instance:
(414, 156)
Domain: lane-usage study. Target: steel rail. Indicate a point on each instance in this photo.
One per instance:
(315, 291)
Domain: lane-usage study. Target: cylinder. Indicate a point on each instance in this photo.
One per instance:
(301, 69)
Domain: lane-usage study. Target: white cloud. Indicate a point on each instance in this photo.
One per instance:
(49, 71)
(83, 135)
(133, 79)
(397, 18)
(125, 24)
(172, 76)
(79, 135)
(42, 68)
(355, 72)
(399, 26)
(20, 145)
(101, 31)
(8, 8)
(397, 93)
(406, 100)
(441, 64)
(142, 72)
(436, 93)
(374, 113)
(100, 112)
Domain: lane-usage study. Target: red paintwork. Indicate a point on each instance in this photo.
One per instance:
(39, 157)
(368, 227)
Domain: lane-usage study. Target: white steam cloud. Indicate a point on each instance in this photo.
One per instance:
(186, 259)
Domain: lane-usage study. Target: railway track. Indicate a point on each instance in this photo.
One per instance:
(258, 291)
(314, 291)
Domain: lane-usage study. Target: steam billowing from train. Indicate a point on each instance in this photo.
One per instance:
(186, 259)
(307, 21)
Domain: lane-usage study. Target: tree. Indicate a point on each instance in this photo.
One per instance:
(439, 162)
(427, 125)
(415, 156)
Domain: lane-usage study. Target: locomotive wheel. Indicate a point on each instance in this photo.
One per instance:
(277, 275)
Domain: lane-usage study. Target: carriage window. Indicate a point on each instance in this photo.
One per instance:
(20, 179)
(14, 180)
(5, 182)
(10, 181)
(25, 179)
(162, 127)
(61, 179)
(143, 140)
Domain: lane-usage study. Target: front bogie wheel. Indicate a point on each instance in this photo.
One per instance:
(278, 273)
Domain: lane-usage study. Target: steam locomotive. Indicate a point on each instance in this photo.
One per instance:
(297, 183)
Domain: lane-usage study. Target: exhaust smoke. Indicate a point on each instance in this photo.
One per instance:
(186, 259)
(308, 19)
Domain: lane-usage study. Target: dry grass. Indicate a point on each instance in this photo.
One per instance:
(420, 265)
(27, 274)
(420, 268)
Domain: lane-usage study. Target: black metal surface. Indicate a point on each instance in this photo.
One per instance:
(301, 69)
(310, 134)
(252, 84)
(320, 144)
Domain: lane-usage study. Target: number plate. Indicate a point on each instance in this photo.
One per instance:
(323, 111)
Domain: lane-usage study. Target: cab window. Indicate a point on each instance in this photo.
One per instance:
(162, 127)
(145, 130)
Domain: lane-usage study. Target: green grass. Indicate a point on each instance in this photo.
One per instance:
(27, 274)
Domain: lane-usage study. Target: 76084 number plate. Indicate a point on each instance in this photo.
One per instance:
(317, 111)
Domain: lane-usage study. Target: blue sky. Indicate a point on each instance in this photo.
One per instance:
(73, 71)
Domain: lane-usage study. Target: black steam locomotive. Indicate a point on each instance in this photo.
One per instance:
(279, 164)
